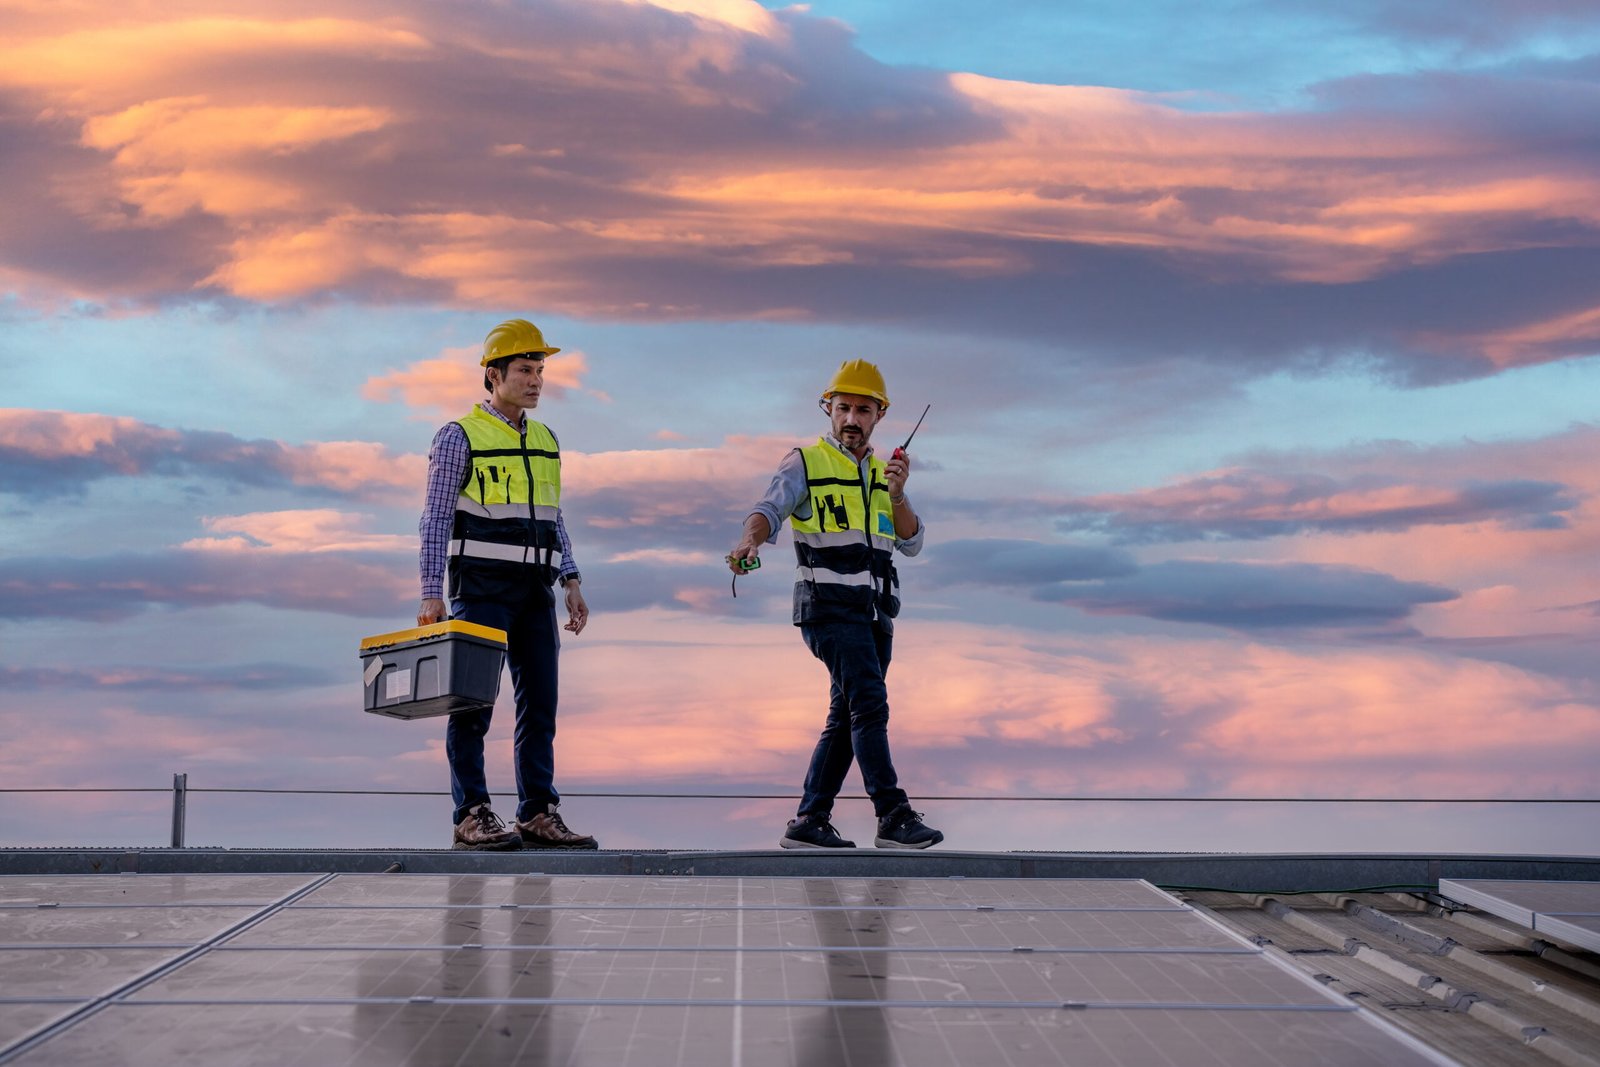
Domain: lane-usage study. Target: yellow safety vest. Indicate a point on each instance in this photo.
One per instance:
(504, 534)
(845, 550)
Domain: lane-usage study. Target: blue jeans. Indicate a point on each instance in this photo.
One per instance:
(857, 656)
(532, 642)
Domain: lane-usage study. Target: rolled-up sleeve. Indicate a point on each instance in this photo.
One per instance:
(786, 495)
(913, 544)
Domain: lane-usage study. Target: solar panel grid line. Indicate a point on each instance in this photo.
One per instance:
(1007, 950)
(124, 907)
(1021, 909)
(736, 1050)
(749, 1002)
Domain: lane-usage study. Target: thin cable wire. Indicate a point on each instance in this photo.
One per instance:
(968, 798)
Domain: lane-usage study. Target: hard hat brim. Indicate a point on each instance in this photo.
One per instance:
(486, 360)
(830, 394)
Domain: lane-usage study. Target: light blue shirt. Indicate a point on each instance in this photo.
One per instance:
(787, 495)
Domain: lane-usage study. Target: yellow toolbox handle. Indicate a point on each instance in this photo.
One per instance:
(437, 629)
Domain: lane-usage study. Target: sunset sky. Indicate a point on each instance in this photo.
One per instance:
(1262, 341)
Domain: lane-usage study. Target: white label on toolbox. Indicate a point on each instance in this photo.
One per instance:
(398, 685)
(374, 668)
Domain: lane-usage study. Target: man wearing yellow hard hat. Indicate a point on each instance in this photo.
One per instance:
(849, 514)
(492, 524)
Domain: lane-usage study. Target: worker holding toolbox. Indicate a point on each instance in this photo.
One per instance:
(850, 514)
(492, 525)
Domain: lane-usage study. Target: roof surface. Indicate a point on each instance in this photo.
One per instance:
(866, 967)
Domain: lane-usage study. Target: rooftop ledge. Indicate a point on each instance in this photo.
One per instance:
(1232, 872)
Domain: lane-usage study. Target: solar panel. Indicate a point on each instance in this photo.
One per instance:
(1567, 911)
(487, 969)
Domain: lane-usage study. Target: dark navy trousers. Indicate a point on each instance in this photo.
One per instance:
(857, 657)
(532, 644)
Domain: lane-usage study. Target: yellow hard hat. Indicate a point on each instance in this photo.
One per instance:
(514, 337)
(859, 377)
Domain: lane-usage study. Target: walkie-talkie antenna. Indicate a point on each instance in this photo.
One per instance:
(907, 446)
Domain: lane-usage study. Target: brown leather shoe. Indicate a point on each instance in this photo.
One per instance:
(548, 831)
(483, 831)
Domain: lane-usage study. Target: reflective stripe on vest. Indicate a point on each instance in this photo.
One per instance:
(492, 550)
(823, 574)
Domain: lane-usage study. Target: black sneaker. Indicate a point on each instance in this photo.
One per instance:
(813, 831)
(904, 828)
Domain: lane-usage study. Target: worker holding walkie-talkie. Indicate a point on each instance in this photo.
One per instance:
(849, 514)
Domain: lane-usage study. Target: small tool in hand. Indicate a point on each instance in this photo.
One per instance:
(901, 451)
(746, 565)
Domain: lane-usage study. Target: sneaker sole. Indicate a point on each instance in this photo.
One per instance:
(789, 842)
(509, 846)
(884, 842)
(548, 846)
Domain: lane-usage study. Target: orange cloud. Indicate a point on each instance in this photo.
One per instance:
(745, 15)
(177, 155)
(122, 55)
(452, 383)
(376, 171)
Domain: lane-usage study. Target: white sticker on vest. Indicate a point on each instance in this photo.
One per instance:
(398, 685)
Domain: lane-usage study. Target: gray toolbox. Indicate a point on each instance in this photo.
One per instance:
(440, 669)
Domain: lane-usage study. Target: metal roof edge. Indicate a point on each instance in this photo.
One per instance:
(1233, 872)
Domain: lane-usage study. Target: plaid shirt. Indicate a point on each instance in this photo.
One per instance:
(447, 469)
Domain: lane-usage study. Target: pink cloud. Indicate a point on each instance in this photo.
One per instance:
(978, 709)
(739, 460)
(355, 467)
(307, 530)
(1510, 525)
(39, 445)
(66, 433)
(1242, 503)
